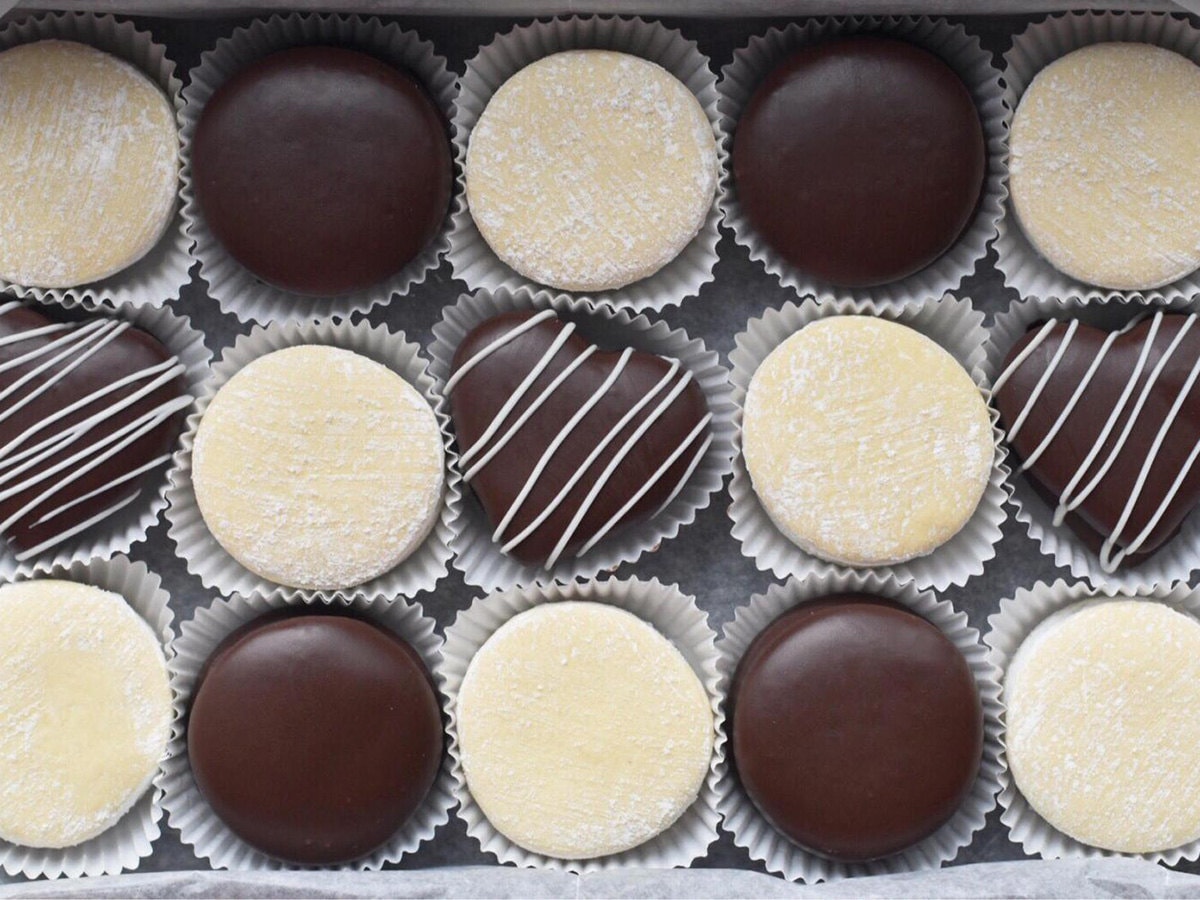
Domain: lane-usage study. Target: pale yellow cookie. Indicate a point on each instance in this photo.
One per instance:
(1103, 735)
(583, 731)
(88, 164)
(589, 170)
(1104, 170)
(318, 468)
(866, 442)
(85, 711)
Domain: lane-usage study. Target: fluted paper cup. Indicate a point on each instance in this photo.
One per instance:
(1018, 616)
(957, 48)
(751, 829)
(123, 846)
(188, 811)
(159, 275)
(473, 260)
(204, 555)
(1040, 44)
(229, 282)
(958, 328)
(120, 531)
(677, 618)
(476, 555)
(1179, 557)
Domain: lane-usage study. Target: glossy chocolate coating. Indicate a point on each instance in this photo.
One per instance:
(860, 160)
(314, 737)
(322, 170)
(856, 726)
(481, 393)
(1096, 518)
(38, 384)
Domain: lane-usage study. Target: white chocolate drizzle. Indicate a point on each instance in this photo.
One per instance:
(23, 460)
(485, 449)
(1072, 496)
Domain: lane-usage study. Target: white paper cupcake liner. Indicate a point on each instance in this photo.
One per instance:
(159, 275)
(1007, 630)
(119, 532)
(473, 260)
(188, 811)
(963, 53)
(206, 558)
(1035, 48)
(233, 286)
(123, 846)
(954, 325)
(751, 829)
(675, 616)
(476, 555)
(1181, 555)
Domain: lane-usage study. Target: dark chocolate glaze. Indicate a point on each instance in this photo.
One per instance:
(477, 398)
(856, 726)
(322, 170)
(860, 160)
(75, 483)
(314, 737)
(1099, 514)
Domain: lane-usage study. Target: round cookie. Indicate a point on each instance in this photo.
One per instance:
(85, 711)
(582, 730)
(322, 170)
(314, 737)
(1102, 736)
(318, 468)
(866, 442)
(89, 161)
(589, 170)
(860, 160)
(1103, 169)
(857, 728)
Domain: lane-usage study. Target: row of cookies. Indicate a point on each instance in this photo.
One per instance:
(594, 725)
(869, 159)
(324, 457)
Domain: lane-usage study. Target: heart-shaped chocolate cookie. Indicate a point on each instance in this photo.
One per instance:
(89, 412)
(1107, 428)
(562, 442)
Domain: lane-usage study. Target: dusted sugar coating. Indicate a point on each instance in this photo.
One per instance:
(322, 170)
(860, 160)
(1103, 738)
(857, 728)
(85, 711)
(583, 731)
(314, 737)
(89, 161)
(1106, 425)
(1103, 169)
(318, 468)
(589, 170)
(90, 415)
(564, 443)
(866, 442)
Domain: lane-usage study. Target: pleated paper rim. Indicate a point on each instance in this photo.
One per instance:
(122, 847)
(751, 829)
(217, 569)
(188, 811)
(676, 617)
(1007, 630)
(958, 328)
(476, 555)
(160, 275)
(473, 260)
(234, 287)
(973, 64)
